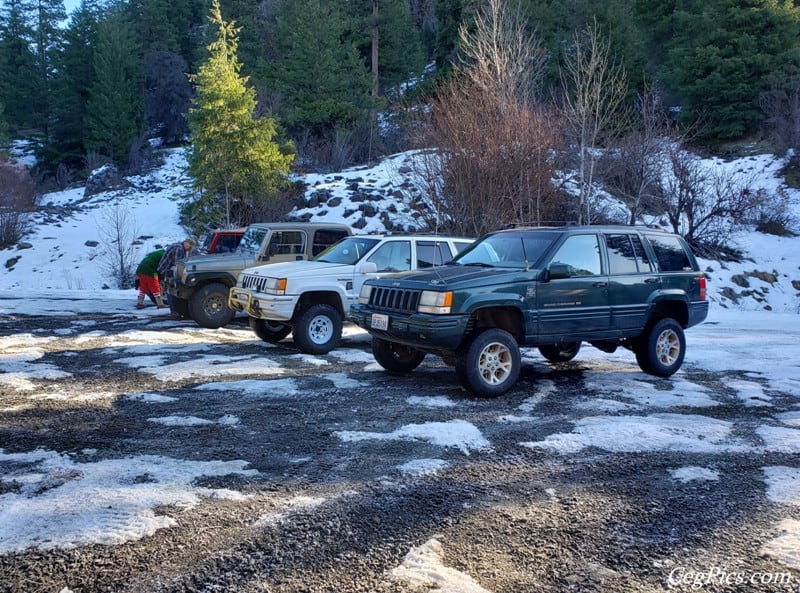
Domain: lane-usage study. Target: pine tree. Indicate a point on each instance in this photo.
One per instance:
(73, 81)
(115, 109)
(234, 157)
(323, 83)
(50, 16)
(720, 55)
(386, 33)
(18, 89)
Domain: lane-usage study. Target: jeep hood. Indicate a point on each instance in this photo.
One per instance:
(295, 268)
(216, 261)
(455, 276)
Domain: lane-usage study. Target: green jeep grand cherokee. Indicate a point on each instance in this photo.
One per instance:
(552, 288)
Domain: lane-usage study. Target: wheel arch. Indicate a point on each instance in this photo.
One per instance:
(674, 308)
(507, 318)
(319, 297)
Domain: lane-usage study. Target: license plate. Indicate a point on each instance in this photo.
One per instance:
(379, 321)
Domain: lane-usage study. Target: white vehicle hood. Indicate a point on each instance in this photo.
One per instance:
(295, 268)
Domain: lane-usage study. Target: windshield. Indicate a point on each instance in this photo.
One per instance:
(507, 250)
(348, 250)
(252, 240)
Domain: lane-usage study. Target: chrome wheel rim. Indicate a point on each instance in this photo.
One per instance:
(668, 347)
(495, 363)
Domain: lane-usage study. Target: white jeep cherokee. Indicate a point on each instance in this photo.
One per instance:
(312, 298)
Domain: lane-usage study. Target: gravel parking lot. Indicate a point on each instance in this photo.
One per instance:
(141, 454)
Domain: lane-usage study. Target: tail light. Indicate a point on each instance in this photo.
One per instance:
(702, 283)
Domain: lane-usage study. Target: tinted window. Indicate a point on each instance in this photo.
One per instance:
(670, 254)
(461, 245)
(581, 253)
(394, 256)
(324, 239)
(626, 255)
(287, 243)
(226, 243)
(430, 253)
(621, 257)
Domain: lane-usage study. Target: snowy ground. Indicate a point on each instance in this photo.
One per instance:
(51, 499)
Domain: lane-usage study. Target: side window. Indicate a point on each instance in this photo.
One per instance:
(393, 256)
(324, 239)
(581, 253)
(461, 245)
(226, 243)
(670, 254)
(642, 259)
(287, 243)
(623, 257)
(430, 253)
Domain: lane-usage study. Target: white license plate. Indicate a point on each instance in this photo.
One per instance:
(379, 321)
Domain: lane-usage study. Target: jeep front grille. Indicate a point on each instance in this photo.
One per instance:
(254, 283)
(394, 299)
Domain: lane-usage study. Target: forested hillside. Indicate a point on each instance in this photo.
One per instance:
(505, 85)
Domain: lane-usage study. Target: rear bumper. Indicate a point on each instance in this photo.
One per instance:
(698, 311)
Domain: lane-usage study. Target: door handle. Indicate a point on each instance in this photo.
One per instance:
(600, 284)
(651, 280)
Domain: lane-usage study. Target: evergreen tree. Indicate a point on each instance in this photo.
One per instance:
(720, 55)
(18, 89)
(323, 83)
(3, 125)
(168, 95)
(115, 110)
(234, 157)
(73, 81)
(166, 26)
(399, 45)
(50, 17)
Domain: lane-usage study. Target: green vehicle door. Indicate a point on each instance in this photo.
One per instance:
(574, 300)
(632, 279)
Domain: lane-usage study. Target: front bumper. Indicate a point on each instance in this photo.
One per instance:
(419, 330)
(261, 306)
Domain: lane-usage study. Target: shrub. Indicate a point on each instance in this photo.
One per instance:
(17, 200)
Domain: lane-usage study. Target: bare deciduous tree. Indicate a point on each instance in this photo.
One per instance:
(117, 229)
(17, 200)
(495, 151)
(706, 204)
(594, 90)
(501, 54)
(632, 167)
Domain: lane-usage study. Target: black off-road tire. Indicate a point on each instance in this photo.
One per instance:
(661, 349)
(270, 331)
(489, 364)
(394, 357)
(561, 352)
(209, 306)
(318, 329)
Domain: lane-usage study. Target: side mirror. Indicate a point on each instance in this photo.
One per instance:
(558, 271)
(368, 267)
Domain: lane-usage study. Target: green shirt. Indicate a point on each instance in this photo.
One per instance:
(149, 265)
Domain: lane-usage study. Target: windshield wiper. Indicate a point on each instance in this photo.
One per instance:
(479, 264)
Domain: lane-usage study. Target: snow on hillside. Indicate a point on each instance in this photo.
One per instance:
(65, 250)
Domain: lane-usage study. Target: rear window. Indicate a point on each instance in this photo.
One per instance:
(670, 254)
(324, 238)
(430, 253)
